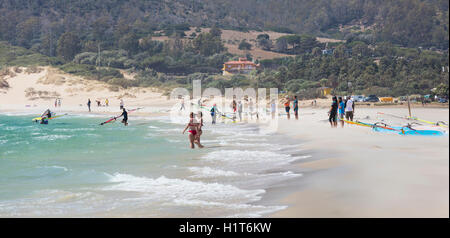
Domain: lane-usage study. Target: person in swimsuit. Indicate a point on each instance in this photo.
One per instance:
(333, 112)
(287, 107)
(193, 127)
(234, 107)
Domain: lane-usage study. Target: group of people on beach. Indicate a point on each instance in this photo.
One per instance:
(340, 108)
(58, 102)
(287, 107)
(99, 104)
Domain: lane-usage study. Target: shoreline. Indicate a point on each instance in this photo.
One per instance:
(379, 176)
(318, 192)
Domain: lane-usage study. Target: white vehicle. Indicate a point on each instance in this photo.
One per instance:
(358, 98)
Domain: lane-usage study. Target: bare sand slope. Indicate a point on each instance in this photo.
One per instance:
(38, 91)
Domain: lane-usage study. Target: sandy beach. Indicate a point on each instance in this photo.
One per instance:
(353, 171)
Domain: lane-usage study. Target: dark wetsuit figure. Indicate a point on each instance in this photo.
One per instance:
(125, 117)
(333, 111)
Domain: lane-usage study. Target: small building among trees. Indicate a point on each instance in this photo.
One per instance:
(242, 66)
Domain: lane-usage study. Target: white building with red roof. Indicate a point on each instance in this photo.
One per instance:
(242, 66)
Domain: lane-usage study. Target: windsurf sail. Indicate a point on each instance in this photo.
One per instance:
(439, 123)
(402, 130)
(115, 118)
(53, 117)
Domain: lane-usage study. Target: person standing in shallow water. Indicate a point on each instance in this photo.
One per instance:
(295, 104)
(333, 112)
(239, 108)
(125, 117)
(193, 130)
(213, 114)
(287, 107)
(341, 106)
(89, 104)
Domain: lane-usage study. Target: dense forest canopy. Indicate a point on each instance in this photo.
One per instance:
(390, 47)
(409, 23)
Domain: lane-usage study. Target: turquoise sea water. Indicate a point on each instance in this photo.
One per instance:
(73, 167)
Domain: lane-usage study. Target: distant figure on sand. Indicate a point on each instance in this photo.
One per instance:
(193, 128)
(121, 104)
(341, 106)
(56, 102)
(107, 102)
(89, 104)
(333, 112)
(287, 107)
(295, 104)
(349, 109)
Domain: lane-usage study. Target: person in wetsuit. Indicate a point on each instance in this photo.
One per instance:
(125, 117)
(333, 112)
(45, 116)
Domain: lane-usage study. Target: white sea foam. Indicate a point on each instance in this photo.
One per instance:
(74, 129)
(249, 156)
(53, 137)
(171, 189)
(54, 167)
(207, 172)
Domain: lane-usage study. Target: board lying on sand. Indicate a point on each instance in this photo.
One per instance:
(401, 130)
